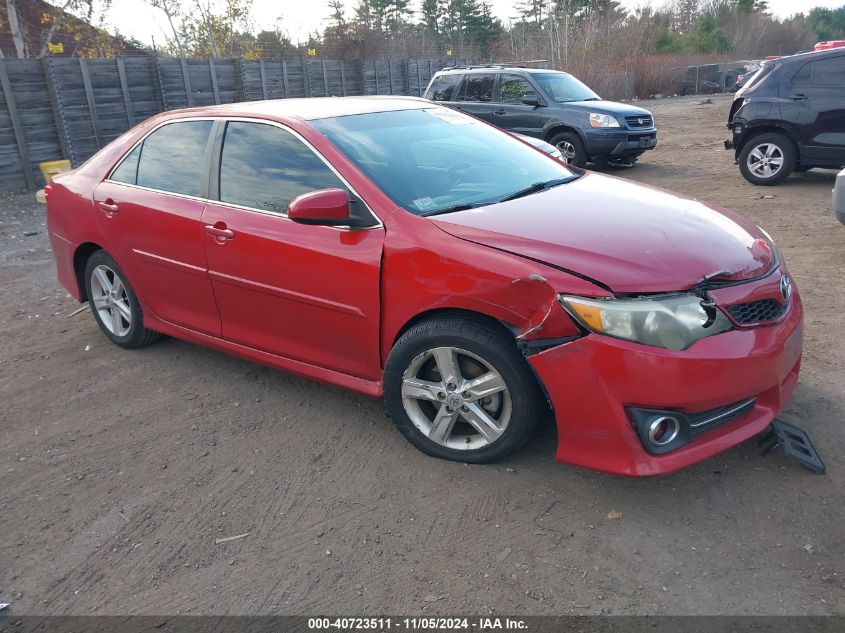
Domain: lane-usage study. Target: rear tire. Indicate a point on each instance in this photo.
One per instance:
(767, 159)
(459, 389)
(114, 304)
(571, 147)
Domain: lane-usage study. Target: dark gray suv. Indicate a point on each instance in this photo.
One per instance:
(550, 105)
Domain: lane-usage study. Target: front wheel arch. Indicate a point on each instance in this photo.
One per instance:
(757, 130)
(436, 313)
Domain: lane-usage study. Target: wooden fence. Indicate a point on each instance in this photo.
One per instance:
(58, 108)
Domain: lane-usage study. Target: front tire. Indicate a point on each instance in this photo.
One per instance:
(767, 159)
(571, 148)
(458, 389)
(114, 304)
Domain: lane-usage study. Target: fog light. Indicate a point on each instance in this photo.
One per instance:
(663, 430)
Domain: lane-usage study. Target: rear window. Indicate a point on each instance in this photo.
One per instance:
(127, 171)
(804, 76)
(829, 73)
(477, 88)
(173, 157)
(442, 87)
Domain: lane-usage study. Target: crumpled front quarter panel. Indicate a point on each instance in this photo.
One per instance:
(427, 269)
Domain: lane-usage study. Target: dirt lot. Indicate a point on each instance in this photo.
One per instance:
(118, 470)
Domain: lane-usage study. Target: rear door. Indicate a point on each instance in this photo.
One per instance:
(476, 95)
(149, 211)
(816, 101)
(305, 292)
(510, 113)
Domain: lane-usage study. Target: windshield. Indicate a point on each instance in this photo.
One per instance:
(562, 87)
(756, 78)
(435, 159)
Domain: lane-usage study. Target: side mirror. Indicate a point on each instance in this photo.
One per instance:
(531, 99)
(324, 206)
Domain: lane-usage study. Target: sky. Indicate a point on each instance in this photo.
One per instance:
(301, 17)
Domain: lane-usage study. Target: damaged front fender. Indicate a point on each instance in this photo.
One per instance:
(471, 277)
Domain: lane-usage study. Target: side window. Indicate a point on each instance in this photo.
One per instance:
(127, 171)
(829, 73)
(442, 87)
(265, 167)
(512, 88)
(172, 158)
(804, 77)
(477, 88)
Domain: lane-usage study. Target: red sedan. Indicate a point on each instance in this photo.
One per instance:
(398, 248)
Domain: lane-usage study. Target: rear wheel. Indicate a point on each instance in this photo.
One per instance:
(767, 159)
(114, 304)
(459, 389)
(571, 148)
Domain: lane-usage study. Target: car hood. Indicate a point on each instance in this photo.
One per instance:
(606, 107)
(628, 237)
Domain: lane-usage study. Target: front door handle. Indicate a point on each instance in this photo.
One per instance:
(220, 232)
(798, 97)
(500, 112)
(108, 206)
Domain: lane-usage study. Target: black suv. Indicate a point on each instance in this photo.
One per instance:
(790, 116)
(550, 105)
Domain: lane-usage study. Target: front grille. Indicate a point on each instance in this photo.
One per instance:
(757, 311)
(639, 121)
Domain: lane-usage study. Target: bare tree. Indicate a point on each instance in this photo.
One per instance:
(171, 9)
(14, 25)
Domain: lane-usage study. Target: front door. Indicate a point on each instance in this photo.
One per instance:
(509, 113)
(304, 292)
(149, 211)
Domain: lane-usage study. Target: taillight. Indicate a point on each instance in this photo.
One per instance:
(47, 190)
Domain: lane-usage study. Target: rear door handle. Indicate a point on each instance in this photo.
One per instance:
(500, 112)
(219, 232)
(798, 97)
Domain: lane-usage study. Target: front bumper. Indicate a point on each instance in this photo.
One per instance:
(620, 142)
(737, 127)
(592, 380)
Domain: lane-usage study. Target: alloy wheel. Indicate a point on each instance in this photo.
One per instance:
(110, 300)
(765, 160)
(456, 398)
(568, 150)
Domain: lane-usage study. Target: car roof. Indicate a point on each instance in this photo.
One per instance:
(310, 108)
(810, 55)
(498, 67)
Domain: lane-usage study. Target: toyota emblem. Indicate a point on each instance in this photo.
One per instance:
(786, 287)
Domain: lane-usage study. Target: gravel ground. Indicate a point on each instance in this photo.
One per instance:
(119, 470)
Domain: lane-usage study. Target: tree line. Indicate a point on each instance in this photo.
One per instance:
(594, 34)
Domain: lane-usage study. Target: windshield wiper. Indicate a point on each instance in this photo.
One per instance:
(538, 187)
(457, 207)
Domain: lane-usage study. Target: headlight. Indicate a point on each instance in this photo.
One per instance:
(673, 322)
(602, 120)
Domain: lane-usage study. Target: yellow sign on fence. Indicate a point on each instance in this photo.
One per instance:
(448, 52)
(312, 52)
(58, 47)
